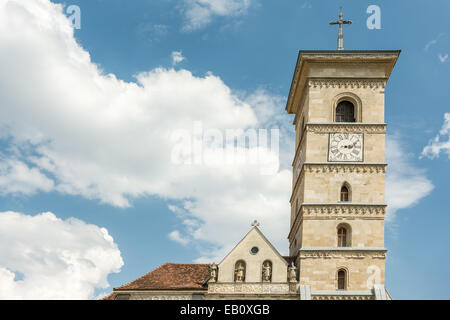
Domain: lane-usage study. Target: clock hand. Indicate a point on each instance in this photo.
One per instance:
(348, 146)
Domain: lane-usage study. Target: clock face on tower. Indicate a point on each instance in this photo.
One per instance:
(345, 146)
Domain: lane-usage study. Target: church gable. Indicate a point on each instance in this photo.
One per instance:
(254, 259)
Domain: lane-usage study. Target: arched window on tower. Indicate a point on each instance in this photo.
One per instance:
(345, 112)
(345, 194)
(342, 280)
(344, 235)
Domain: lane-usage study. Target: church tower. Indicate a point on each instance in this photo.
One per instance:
(336, 237)
(338, 202)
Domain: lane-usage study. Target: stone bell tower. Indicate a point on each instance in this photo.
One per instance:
(338, 203)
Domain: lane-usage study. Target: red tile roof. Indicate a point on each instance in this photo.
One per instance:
(170, 276)
(110, 296)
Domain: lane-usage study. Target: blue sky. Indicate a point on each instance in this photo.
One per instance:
(78, 147)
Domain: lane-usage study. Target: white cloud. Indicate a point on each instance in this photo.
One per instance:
(432, 42)
(198, 13)
(177, 237)
(429, 44)
(306, 5)
(44, 257)
(406, 184)
(152, 32)
(441, 142)
(102, 138)
(443, 57)
(177, 57)
(17, 177)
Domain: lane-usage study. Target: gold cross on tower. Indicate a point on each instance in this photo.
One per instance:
(341, 22)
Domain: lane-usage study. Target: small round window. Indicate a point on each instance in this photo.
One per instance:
(254, 250)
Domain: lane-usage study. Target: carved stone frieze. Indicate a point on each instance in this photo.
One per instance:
(160, 297)
(347, 83)
(372, 128)
(342, 210)
(249, 288)
(345, 167)
(342, 254)
(341, 297)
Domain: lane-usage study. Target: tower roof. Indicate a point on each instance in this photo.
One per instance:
(308, 58)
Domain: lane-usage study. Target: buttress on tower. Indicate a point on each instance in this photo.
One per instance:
(338, 187)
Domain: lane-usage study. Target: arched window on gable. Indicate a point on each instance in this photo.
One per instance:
(342, 279)
(345, 112)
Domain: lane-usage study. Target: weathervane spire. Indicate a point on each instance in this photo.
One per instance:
(341, 22)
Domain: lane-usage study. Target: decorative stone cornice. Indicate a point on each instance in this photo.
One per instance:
(344, 167)
(352, 83)
(338, 167)
(342, 295)
(160, 297)
(350, 56)
(160, 294)
(343, 249)
(339, 253)
(335, 210)
(360, 127)
(346, 297)
(251, 288)
(338, 210)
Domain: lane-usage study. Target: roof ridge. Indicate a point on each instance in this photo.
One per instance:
(187, 263)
